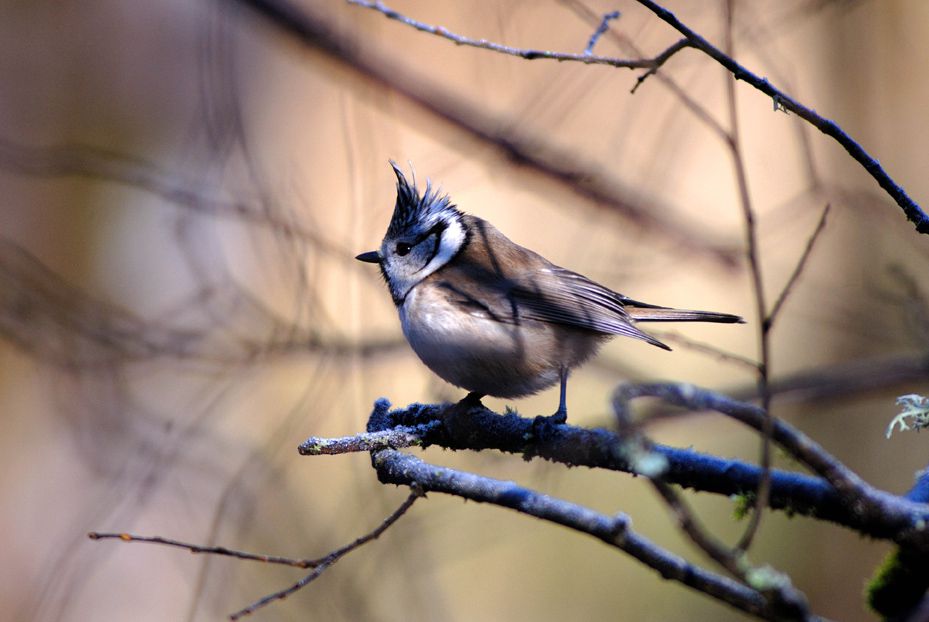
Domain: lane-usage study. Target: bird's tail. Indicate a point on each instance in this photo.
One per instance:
(641, 312)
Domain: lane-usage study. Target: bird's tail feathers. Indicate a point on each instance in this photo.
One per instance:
(649, 313)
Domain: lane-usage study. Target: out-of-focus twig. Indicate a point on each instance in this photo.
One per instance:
(844, 380)
(78, 160)
(733, 142)
(798, 269)
(61, 324)
(777, 586)
(706, 348)
(569, 170)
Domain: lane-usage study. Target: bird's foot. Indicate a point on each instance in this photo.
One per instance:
(542, 425)
(558, 417)
(471, 401)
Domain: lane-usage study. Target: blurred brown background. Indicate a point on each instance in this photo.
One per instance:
(183, 191)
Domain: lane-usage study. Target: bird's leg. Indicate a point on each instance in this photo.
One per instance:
(561, 415)
(542, 426)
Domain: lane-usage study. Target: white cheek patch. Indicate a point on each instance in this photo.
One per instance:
(449, 245)
(402, 281)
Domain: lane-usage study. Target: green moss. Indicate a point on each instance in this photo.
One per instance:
(765, 579)
(898, 584)
(744, 504)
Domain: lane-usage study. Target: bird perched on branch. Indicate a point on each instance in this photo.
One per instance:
(491, 316)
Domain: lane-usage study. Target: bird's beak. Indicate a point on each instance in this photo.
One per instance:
(369, 257)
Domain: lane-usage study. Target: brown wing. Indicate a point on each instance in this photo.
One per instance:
(495, 277)
(557, 295)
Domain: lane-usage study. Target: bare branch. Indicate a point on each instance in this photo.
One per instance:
(776, 586)
(479, 429)
(415, 493)
(394, 438)
(319, 565)
(396, 467)
(913, 211)
(280, 595)
(859, 498)
(587, 57)
(210, 550)
(781, 100)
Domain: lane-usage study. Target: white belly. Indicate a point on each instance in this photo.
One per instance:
(480, 354)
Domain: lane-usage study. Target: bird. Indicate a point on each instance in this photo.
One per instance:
(493, 317)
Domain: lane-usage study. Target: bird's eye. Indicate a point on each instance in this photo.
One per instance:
(403, 248)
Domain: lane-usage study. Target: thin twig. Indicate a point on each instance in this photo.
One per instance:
(642, 450)
(319, 565)
(688, 523)
(660, 60)
(415, 493)
(527, 54)
(686, 100)
(734, 142)
(798, 269)
(913, 211)
(601, 29)
(210, 550)
(705, 348)
(280, 595)
(844, 380)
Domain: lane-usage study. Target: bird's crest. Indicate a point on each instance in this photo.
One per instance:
(413, 211)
